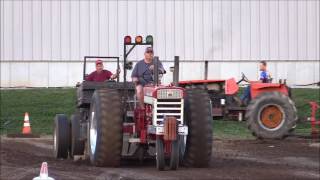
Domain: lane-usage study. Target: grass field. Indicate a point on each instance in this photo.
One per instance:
(43, 104)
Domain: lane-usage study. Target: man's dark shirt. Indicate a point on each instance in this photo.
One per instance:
(143, 73)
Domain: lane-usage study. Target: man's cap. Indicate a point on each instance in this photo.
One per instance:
(149, 49)
(99, 62)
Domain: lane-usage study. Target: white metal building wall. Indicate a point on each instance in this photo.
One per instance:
(43, 41)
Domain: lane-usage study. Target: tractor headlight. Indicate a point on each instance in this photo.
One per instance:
(169, 94)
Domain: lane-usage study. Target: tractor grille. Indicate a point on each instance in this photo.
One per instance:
(168, 107)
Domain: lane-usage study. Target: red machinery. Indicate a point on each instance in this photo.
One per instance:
(315, 132)
(175, 121)
(162, 121)
(270, 113)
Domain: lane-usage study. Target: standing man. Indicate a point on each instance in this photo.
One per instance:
(100, 74)
(142, 74)
(265, 77)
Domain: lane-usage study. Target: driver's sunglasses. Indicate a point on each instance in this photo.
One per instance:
(150, 52)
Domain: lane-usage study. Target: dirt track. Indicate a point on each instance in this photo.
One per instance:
(232, 159)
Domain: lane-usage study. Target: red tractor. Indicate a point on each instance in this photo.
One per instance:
(174, 126)
(270, 114)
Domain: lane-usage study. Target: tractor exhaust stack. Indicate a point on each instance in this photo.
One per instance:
(176, 71)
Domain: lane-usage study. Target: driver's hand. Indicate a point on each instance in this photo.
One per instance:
(151, 68)
(114, 76)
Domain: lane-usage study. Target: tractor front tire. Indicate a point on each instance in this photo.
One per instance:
(105, 128)
(61, 136)
(271, 115)
(160, 159)
(174, 157)
(199, 121)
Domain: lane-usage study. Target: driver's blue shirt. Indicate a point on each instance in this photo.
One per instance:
(264, 77)
(143, 73)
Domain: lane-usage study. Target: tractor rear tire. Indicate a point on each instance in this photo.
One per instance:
(271, 115)
(105, 128)
(198, 118)
(77, 145)
(61, 137)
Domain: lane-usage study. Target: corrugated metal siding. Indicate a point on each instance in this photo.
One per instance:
(40, 33)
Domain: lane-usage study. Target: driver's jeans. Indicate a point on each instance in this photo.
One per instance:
(140, 96)
(246, 96)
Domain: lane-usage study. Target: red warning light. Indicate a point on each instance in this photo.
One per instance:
(127, 40)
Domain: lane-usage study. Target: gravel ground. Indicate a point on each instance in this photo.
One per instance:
(293, 158)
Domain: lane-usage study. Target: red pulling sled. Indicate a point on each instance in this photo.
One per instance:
(314, 122)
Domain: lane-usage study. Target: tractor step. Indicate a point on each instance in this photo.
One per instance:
(134, 140)
(237, 108)
(130, 114)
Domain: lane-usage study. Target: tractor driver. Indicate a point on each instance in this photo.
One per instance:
(265, 77)
(142, 74)
(100, 74)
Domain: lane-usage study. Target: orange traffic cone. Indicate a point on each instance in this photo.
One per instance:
(26, 130)
(26, 125)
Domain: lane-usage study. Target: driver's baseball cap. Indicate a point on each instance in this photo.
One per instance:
(99, 62)
(149, 49)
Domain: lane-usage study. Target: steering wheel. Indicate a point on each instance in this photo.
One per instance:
(243, 78)
(143, 80)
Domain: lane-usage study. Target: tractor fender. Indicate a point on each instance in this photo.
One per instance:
(231, 87)
(257, 88)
